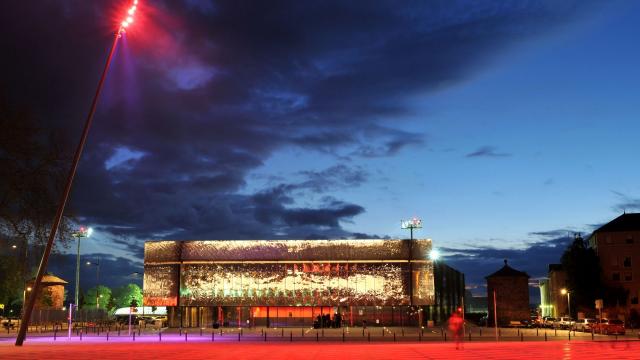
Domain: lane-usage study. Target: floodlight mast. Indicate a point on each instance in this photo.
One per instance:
(28, 307)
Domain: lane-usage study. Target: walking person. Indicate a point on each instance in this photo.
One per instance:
(455, 326)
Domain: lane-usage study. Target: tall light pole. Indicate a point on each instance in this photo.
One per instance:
(22, 334)
(81, 233)
(414, 223)
(97, 265)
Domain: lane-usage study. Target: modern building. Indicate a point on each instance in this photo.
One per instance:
(510, 289)
(553, 302)
(299, 282)
(617, 244)
(546, 308)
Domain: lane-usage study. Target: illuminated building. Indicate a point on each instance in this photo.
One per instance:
(292, 282)
(617, 244)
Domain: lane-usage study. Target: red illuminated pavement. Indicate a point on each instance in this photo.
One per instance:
(485, 351)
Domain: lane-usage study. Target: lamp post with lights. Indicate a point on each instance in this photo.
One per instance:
(568, 293)
(81, 233)
(22, 334)
(97, 265)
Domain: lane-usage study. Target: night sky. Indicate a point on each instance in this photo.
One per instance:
(505, 126)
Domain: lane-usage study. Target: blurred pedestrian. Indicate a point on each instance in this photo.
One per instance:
(456, 324)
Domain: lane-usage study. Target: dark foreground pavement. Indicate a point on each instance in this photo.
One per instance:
(305, 351)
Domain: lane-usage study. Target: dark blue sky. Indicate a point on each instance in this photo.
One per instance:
(504, 125)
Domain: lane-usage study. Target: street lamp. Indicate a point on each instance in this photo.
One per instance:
(568, 293)
(24, 324)
(97, 265)
(24, 295)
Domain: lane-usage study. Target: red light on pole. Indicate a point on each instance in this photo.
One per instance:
(28, 308)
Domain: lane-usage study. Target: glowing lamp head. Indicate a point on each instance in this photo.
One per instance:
(29, 288)
(434, 254)
(563, 291)
(129, 19)
(88, 262)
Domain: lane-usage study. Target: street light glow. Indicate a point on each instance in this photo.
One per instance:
(434, 254)
(563, 291)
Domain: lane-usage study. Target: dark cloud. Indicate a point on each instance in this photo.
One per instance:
(203, 94)
(626, 203)
(114, 271)
(477, 262)
(487, 151)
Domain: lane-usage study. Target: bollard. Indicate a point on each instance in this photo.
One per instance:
(238, 337)
(291, 336)
(382, 332)
(200, 331)
(139, 331)
(186, 334)
(242, 332)
(118, 331)
(221, 332)
(282, 335)
(213, 336)
(499, 332)
(569, 335)
(363, 332)
(536, 331)
(342, 335)
(180, 331)
(322, 332)
(302, 332)
(469, 335)
(521, 337)
(394, 337)
(545, 336)
(134, 336)
(369, 336)
(592, 334)
(54, 334)
(159, 336)
(317, 337)
(80, 335)
(518, 331)
(107, 335)
(555, 332)
(402, 332)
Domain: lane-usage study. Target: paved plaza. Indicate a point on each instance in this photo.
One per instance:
(305, 351)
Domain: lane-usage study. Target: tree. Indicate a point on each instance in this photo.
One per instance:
(584, 275)
(123, 296)
(104, 297)
(10, 280)
(33, 168)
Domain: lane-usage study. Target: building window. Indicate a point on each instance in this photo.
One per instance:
(616, 276)
(627, 261)
(629, 240)
(628, 276)
(634, 301)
